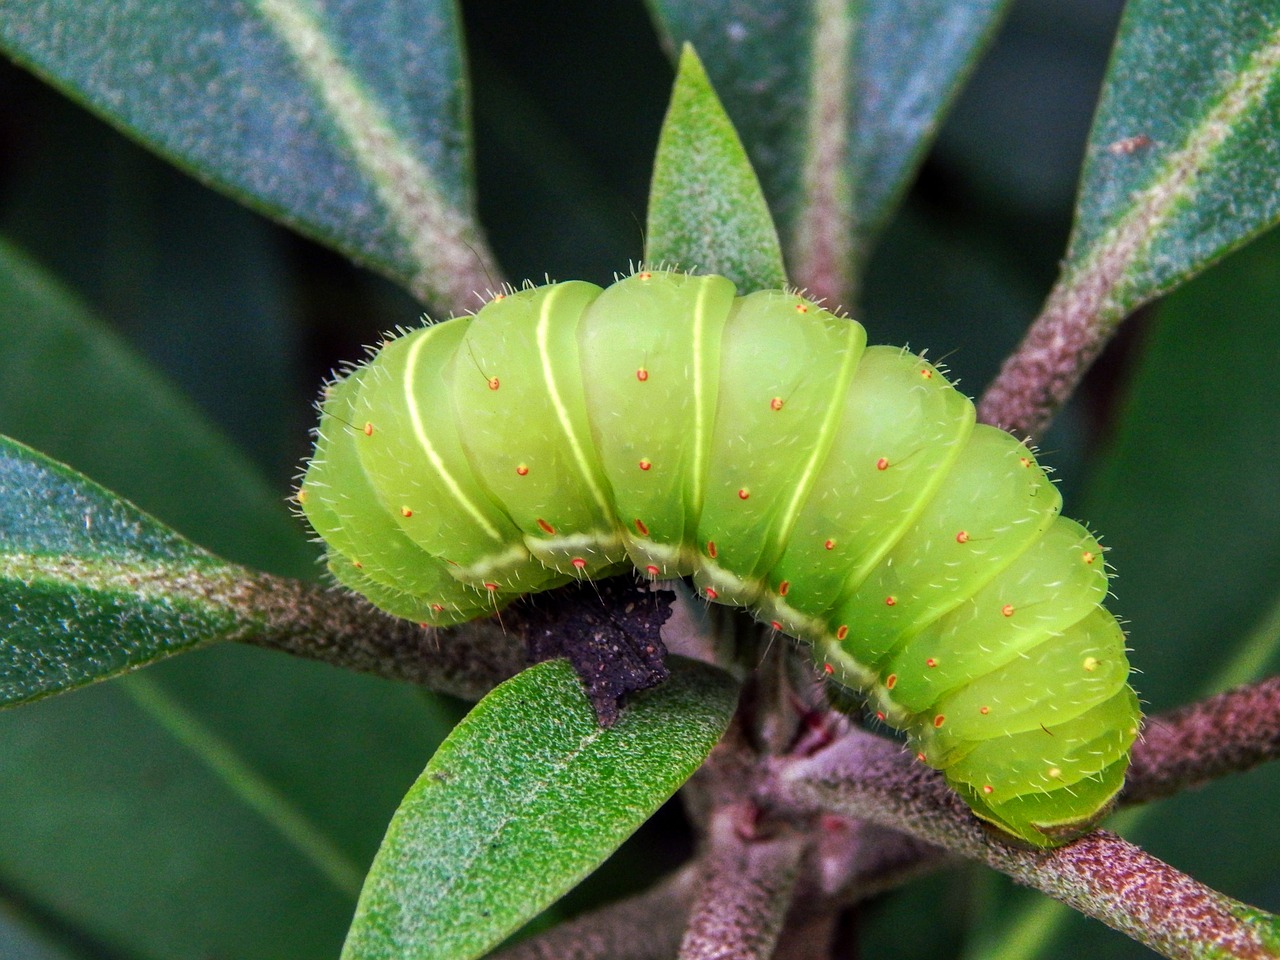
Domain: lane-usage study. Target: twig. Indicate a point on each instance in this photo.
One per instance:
(339, 628)
(647, 926)
(823, 235)
(1229, 733)
(1100, 875)
(745, 890)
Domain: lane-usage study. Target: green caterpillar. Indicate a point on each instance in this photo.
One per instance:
(842, 493)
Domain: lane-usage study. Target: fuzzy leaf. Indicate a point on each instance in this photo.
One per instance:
(90, 586)
(706, 209)
(836, 102)
(71, 388)
(524, 799)
(1182, 158)
(345, 121)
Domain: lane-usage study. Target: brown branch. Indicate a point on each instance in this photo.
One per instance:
(745, 890)
(1039, 377)
(1228, 733)
(823, 239)
(1100, 875)
(338, 627)
(647, 926)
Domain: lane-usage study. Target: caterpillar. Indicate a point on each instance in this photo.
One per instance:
(842, 493)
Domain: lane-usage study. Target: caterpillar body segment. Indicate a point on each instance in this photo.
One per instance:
(841, 492)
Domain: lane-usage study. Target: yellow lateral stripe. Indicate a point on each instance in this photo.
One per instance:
(826, 436)
(420, 431)
(562, 412)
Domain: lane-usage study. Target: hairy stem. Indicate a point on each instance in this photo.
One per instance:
(1100, 875)
(337, 627)
(825, 229)
(647, 926)
(745, 889)
(1228, 733)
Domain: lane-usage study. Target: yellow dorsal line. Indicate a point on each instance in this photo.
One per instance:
(562, 412)
(420, 431)
(826, 434)
(699, 399)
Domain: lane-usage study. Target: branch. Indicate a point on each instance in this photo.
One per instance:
(338, 627)
(1100, 875)
(745, 890)
(823, 238)
(1041, 374)
(1228, 733)
(647, 926)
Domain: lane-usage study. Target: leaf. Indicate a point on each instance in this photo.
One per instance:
(706, 211)
(1182, 158)
(523, 800)
(143, 843)
(90, 586)
(836, 103)
(70, 387)
(347, 122)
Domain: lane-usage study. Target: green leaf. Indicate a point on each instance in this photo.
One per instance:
(836, 102)
(90, 586)
(349, 122)
(123, 826)
(523, 800)
(706, 209)
(21, 938)
(70, 387)
(1181, 163)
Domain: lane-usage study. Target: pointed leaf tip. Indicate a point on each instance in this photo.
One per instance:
(706, 208)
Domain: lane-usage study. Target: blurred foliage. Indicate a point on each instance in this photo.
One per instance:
(121, 840)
